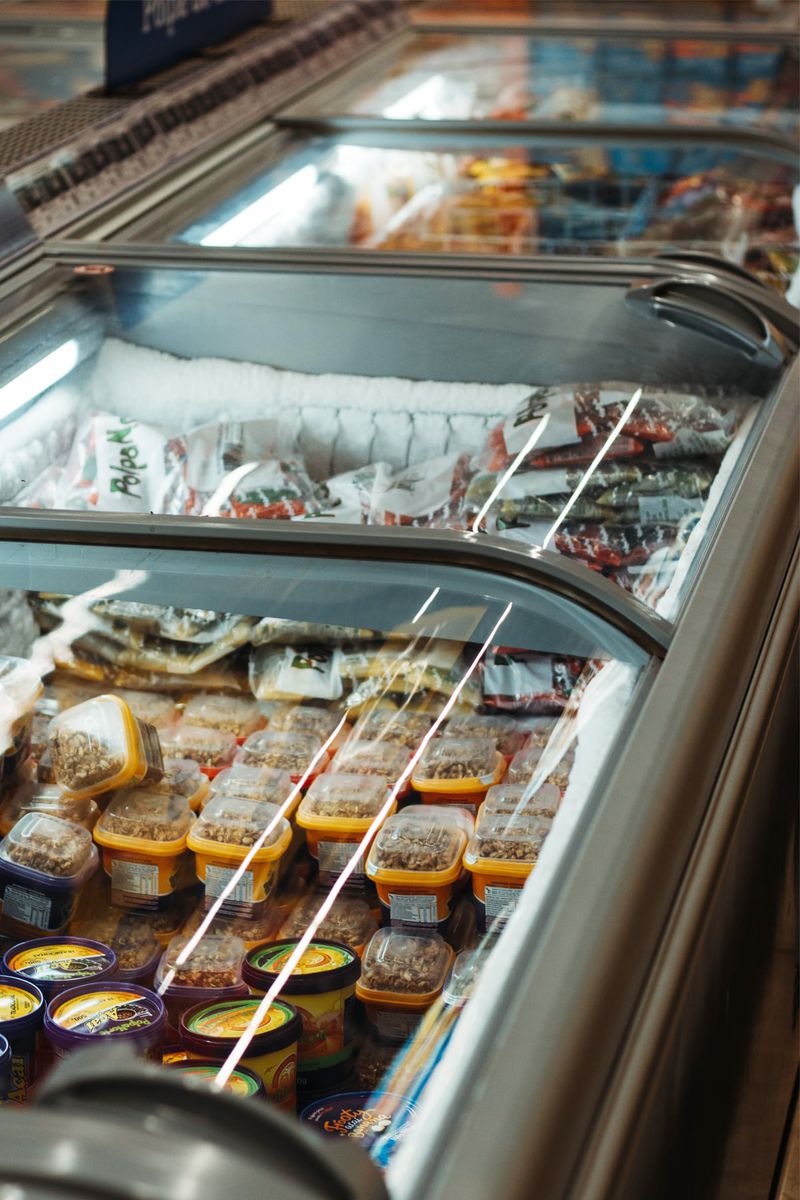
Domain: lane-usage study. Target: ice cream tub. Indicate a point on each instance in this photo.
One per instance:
(378, 1120)
(124, 1012)
(321, 987)
(238, 845)
(44, 864)
(143, 835)
(203, 1073)
(5, 1070)
(22, 1010)
(211, 1031)
(55, 964)
(99, 746)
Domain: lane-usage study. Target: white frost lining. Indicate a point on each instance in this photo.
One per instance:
(340, 421)
(604, 705)
(670, 602)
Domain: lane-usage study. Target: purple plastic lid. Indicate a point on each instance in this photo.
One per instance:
(55, 973)
(13, 1027)
(124, 1011)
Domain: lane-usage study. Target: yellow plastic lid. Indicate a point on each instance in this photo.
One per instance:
(96, 746)
(407, 969)
(341, 802)
(229, 827)
(147, 820)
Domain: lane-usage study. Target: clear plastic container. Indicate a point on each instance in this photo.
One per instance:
(527, 763)
(350, 921)
(388, 761)
(336, 812)
(212, 970)
(226, 833)
(507, 798)
(251, 930)
(415, 864)
(46, 798)
(300, 754)
(309, 718)
(184, 777)
(143, 835)
(257, 783)
(500, 856)
(400, 728)
(153, 708)
(99, 745)
(239, 715)
(507, 733)
(20, 689)
(458, 770)
(211, 749)
(402, 974)
(44, 864)
(132, 940)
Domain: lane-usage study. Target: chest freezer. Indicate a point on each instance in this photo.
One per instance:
(426, 193)
(594, 81)
(612, 436)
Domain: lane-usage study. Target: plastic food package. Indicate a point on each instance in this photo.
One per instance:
(159, 655)
(500, 856)
(226, 834)
(201, 626)
(256, 783)
(201, 464)
(507, 733)
(151, 707)
(613, 545)
(251, 930)
(238, 715)
(458, 770)
(400, 727)
(300, 754)
(507, 799)
(374, 758)
(132, 940)
(525, 681)
(401, 976)
(415, 863)
(278, 630)
(44, 864)
(86, 662)
(184, 777)
(20, 689)
(307, 718)
(99, 745)
(214, 962)
(419, 494)
(321, 986)
(143, 835)
(289, 673)
(211, 749)
(277, 488)
(533, 760)
(350, 921)
(349, 498)
(335, 813)
(49, 800)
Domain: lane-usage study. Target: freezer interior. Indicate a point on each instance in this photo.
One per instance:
(566, 414)
(653, 80)
(764, 13)
(424, 194)
(44, 62)
(277, 848)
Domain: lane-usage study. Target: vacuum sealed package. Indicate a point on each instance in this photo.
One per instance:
(290, 673)
(613, 545)
(199, 462)
(422, 493)
(276, 629)
(278, 488)
(127, 619)
(526, 682)
(88, 663)
(349, 498)
(162, 654)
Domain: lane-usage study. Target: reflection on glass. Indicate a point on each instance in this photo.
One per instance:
(650, 80)
(277, 853)
(526, 199)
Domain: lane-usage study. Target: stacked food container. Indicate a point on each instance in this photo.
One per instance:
(397, 555)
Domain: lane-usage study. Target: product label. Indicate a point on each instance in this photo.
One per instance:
(237, 1082)
(130, 464)
(231, 1018)
(219, 878)
(689, 443)
(396, 1026)
(545, 418)
(60, 962)
(316, 958)
(21, 1074)
(335, 856)
(137, 879)
(102, 1013)
(15, 1002)
(655, 510)
(500, 902)
(28, 907)
(413, 910)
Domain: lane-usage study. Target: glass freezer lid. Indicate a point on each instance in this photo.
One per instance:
(598, 415)
(427, 194)
(45, 63)
(231, 922)
(597, 79)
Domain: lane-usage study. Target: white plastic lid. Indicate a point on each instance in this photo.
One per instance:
(420, 838)
(506, 798)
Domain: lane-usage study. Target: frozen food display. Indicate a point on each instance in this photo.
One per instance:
(383, 191)
(415, 863)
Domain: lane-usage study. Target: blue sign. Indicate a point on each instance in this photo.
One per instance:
(145, 36)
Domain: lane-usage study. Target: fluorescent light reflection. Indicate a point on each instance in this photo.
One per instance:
(426, 605)
(279, 201)
(38, 378)
(425, 100)
(240, 1049)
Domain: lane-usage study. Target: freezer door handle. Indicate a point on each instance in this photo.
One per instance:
(707, 309)
(714, 262)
